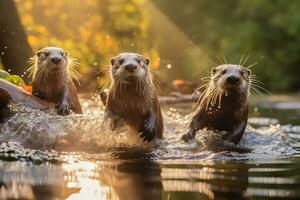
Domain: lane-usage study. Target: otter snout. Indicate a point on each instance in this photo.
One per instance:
(130, 67)
(233, 80)
(55, 60)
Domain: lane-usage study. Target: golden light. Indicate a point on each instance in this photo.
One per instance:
(82, 175)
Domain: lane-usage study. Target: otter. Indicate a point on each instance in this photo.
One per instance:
(52, 75)
(223, 106)
(132, 96)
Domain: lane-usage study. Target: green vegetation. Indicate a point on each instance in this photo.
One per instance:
(267, 30)
(183, 39)
(15, 79)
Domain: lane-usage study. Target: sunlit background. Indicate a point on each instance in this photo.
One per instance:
(182, 39)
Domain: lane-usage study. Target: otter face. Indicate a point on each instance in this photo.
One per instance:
(52, 58)
(129, 67)
(231, 77)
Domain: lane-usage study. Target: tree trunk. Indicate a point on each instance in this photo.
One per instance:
(14, 48)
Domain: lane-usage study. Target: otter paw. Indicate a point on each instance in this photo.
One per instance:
(116, 123)
(148, 131)
(63, 108)
(40, 95)
(188, 137)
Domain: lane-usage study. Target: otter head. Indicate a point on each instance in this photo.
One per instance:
(52, 59)
(129, 68)
(231, 78)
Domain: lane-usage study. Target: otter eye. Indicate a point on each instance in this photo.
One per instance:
(139, 60)
(224, 71)
(62, 53)
(242, 72)
(121, 61)
(47, 53)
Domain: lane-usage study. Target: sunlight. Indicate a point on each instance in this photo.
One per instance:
(82, 175)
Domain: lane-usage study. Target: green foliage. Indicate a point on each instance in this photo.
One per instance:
(3, 74)
(267, 30)
(93, 31)
(14, 79)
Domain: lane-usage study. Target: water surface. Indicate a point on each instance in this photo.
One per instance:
(45, 156)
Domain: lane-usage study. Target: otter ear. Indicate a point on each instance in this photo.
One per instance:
(113, 61)
(213, 70)
(248, 72)
(67, 53)
(38, 53)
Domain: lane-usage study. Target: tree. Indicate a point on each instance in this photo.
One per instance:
(14, 48)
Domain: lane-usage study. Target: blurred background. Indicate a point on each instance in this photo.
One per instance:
(183, 39)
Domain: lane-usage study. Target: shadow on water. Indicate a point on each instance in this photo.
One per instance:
(77, 158)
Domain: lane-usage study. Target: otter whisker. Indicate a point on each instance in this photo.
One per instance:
(219, 92)
(241, 59)
(262, 88)
(256, 81)
(214, 95)
(220, 100)
(209, 101)
(245, 60)
(201, 96)
(156, 83)
(197, 90)
(252, 65)
(253, 89)
(222, 60)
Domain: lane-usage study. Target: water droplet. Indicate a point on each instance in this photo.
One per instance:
(132, 44)
(5, 47)
(2, 53)
(95, 63)
(169, 66)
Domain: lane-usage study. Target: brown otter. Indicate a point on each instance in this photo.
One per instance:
(132, 96)
(52, 75)
(223, 106)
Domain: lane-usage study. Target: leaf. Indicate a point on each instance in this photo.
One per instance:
(14, 79)
(4, 74)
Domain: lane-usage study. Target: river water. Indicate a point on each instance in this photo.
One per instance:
(45, 156)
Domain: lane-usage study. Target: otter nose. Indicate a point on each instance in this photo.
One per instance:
(233, 79)
(55, 60)
(130, 67)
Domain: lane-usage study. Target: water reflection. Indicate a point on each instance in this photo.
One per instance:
(135, 178)
(213, 182)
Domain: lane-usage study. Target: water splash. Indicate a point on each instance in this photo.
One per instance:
(33, 129)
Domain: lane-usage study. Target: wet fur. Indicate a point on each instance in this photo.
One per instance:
(135, 103)
(226, 110)
(55, 86)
